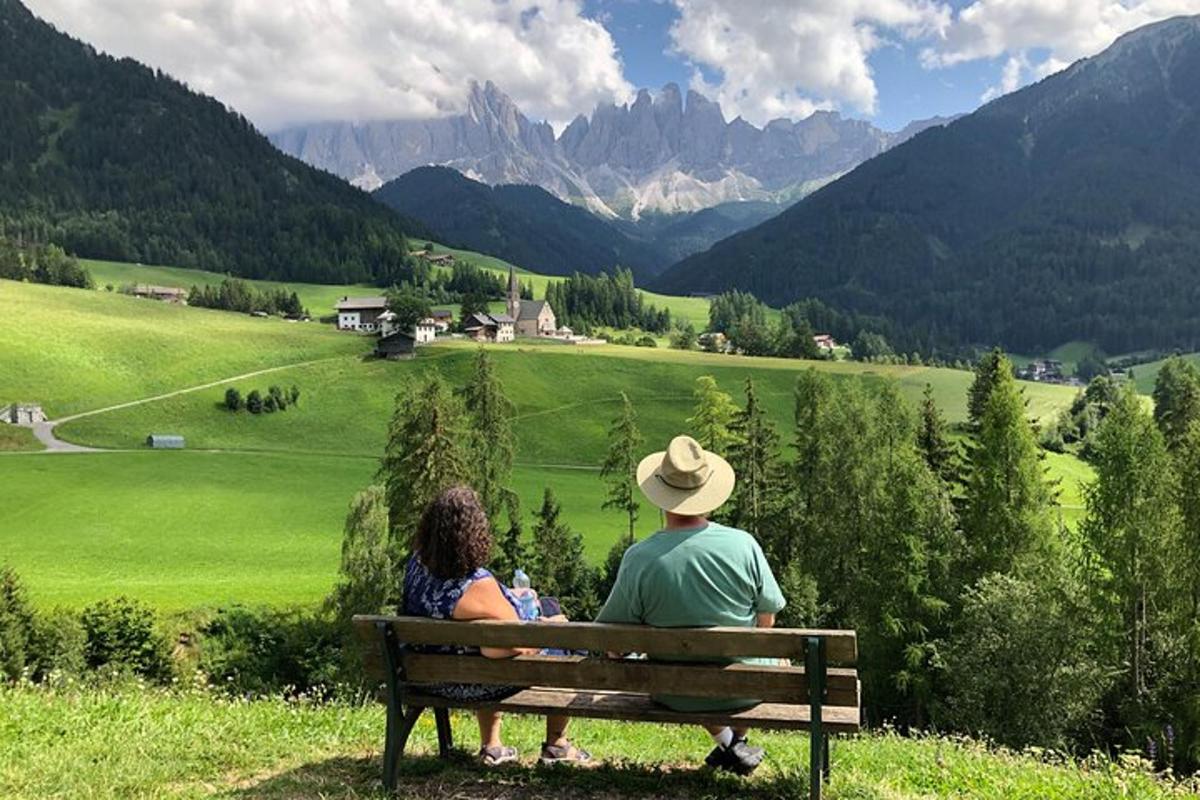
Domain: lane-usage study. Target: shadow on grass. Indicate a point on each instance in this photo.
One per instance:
(460, 776)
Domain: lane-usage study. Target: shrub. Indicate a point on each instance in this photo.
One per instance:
(294, 394)
(645, 341)
(278, 396)
(266, 651)
(122, 635)
(233, 399)
(16, 623)
(254, 402)
(57, 645)
(270, 404)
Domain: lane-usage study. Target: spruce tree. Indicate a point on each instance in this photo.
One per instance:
(754, 456)
(1176, 399)
(939, 453)
(424, 453)
(16, 624)
(711, 416)
(1008, 517)
(1131, 531)
(492, 442)
(511, 553)
(368, 576)
(990, 366)
(559, 567)
(619, 470)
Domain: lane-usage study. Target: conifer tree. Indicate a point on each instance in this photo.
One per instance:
(1131, 530)
(990, 366)
(1187, 465)
(368, 575)
(16, 624)
(754, 456)
(620, 466)
(1008, 501)
(424, 452)
(1176, 399)
(559, 568)
(939, 453)
(511, 553)
(711, 416)
(492, 442)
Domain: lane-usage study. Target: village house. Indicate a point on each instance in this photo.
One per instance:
(1047, 370)
(167, 294)
(442, 319)
(22, 414)
(445, 259)
(531, 317)
(497, 328)
(424, 332)
(360, 313)
(396, 345)
(825, 341)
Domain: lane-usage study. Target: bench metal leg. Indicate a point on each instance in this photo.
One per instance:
(818, 759)
(444, 733)
(398, 730)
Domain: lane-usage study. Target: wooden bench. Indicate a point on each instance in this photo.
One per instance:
(822, 697)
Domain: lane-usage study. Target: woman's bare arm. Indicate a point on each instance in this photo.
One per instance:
(484, 600)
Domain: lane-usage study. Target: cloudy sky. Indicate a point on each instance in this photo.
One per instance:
(282, 62)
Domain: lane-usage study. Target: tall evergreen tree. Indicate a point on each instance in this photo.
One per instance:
(620, 466)
(991, 366)
(424, 452)
(939, 452)
(1187, 464)
(1007, 519)
(16, 624)
(559, 567)
(492, 441)
(754, 456)
(711, 415)
(511, 553)
(1131, 531)
(1176, 399)
(368, 576)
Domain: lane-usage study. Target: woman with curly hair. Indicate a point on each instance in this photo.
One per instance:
(446, 579)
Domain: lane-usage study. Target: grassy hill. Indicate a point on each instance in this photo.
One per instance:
(257, 515)
(193, 744)
(1144, 375)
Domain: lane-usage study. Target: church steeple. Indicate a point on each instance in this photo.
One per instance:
(514, 294)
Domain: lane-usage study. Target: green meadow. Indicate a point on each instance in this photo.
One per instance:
(252, 511)
(196, 744)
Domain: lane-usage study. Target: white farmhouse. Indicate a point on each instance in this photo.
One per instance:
(360, 313)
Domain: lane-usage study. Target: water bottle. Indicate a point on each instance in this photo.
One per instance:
(524, 593)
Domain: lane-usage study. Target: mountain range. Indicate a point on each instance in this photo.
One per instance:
(1067, 210)
(655, 155)
(115, 160)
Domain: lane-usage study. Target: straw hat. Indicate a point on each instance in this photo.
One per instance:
(685, 478)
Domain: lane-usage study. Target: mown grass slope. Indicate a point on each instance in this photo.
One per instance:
(15, 439)
(73, 350)
(193, 744)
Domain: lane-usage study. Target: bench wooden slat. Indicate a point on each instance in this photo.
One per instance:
(640, 708)
(841, 647)
(778, 683)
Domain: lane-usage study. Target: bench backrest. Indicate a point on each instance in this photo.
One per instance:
(785, 684)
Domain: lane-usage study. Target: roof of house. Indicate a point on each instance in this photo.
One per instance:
(442, 313)
(502, 318)
(530, 309)
(477, 321)
(361, 303)
(394, 334)
(146, 288)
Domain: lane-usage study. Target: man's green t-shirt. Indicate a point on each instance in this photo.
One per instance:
(689, 578)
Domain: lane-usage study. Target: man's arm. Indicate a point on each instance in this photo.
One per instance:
(764, 620)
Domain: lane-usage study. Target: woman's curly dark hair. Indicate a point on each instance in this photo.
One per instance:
(454, 537)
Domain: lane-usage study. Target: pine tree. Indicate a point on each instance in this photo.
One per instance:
(620, 466)
(511, 553)
(424, 453)
(1007, 519)
(492, 442)
(990, 366)
(233, 399)
(1176, 399)
(1131, 530)
(16, 624)
(939, 453)
(711, 415)
(368, 575)
(754, 456)
(559, 567)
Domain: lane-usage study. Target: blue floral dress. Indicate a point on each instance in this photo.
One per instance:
(426, 595)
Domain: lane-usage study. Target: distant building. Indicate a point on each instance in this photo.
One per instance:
(531, 317)
(489, 327)
(443, 318)
(396, 345)
(22, 414)
(167, 294)
(165, 441)
(360, 313)
(426, 331)
(824, 341)
(435, 258)
(1045, 370)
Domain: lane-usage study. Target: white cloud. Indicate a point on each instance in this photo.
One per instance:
(778, 58)
(1064, 30)
(288, 61)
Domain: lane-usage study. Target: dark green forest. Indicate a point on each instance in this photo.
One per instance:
(110, 159)
(1069, 210)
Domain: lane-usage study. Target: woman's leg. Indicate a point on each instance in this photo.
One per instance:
(489, 728)
(556, 731)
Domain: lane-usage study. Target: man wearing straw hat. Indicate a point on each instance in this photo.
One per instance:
(696, 573)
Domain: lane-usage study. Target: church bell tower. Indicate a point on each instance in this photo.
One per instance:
(514, 295)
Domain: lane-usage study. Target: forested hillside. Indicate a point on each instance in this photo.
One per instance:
(523, 224)
(1069, 210)
(111, 159)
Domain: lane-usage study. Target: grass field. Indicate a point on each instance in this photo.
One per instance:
(1144, 375)
(192, 744)
(73, 350)
(14, 439)
(259, 519)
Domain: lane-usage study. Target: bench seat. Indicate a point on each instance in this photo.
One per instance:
(640, 708)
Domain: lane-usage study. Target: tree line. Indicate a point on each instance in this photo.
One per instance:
(42, 263)
(583, 302)
(238, 295)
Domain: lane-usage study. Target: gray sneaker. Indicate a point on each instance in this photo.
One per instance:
(739, 758)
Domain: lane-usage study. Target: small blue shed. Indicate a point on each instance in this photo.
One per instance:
(165, 441)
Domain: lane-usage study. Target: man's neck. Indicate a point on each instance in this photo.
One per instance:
(677, 522)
